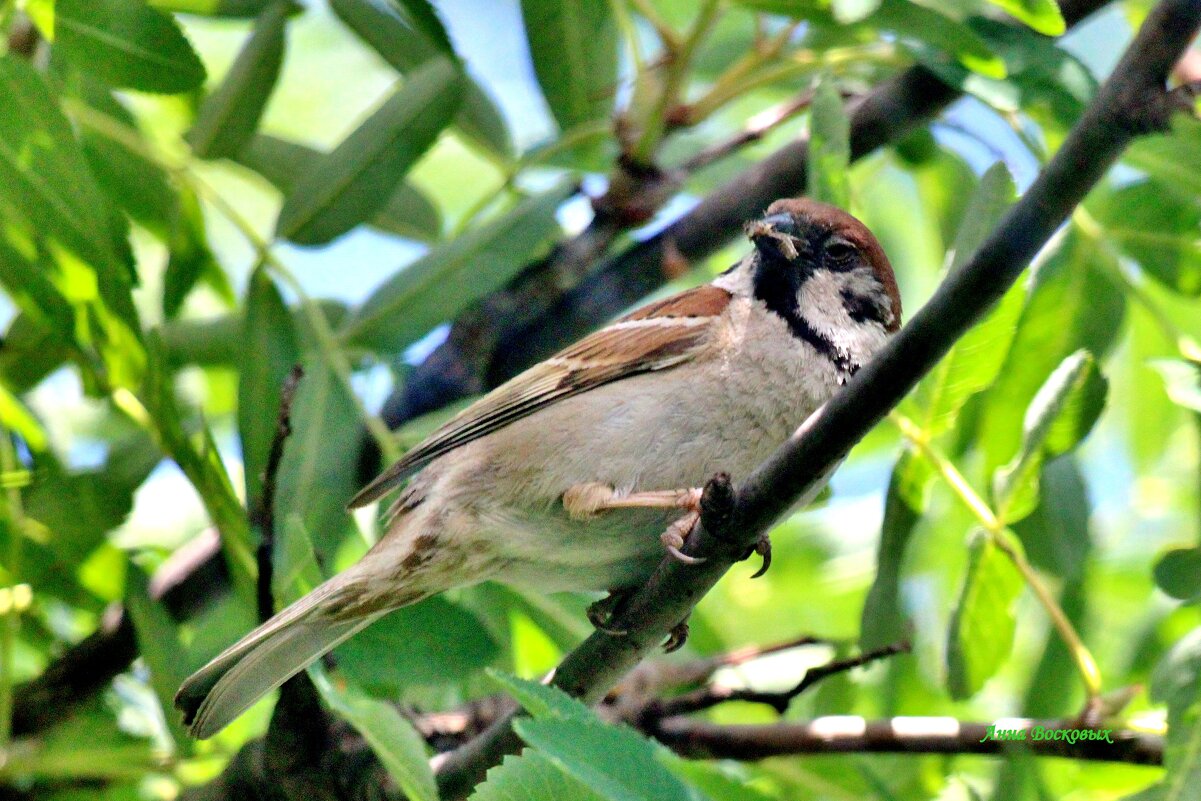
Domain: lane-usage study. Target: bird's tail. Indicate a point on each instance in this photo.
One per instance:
(267, 657)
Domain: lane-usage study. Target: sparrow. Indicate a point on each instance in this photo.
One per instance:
(574, 474)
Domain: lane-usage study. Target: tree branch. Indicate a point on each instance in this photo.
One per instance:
(1134, 100)
(711, 696)
(262, 516)
(903, 735)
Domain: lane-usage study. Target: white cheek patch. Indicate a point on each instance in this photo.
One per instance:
(823, 304)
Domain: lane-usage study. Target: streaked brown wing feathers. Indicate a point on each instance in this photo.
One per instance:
(653, 338)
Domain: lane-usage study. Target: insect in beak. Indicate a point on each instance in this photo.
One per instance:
(771, 236)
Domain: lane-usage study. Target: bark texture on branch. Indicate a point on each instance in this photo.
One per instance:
(908, 735)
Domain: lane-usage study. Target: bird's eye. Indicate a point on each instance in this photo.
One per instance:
(840, 252)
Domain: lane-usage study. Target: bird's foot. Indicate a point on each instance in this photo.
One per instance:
(678, 636)
(601, 613)
(587, 500)
(584, 501)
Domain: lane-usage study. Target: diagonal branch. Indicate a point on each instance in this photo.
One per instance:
(1133, 101)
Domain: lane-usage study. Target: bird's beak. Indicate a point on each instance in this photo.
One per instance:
(775, 236)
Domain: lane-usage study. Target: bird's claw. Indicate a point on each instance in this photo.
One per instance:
(676, 639)
(673, 538)
(763, 548)
(601, 614)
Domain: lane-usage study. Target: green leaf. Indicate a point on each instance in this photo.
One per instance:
(160, 647)
(31, 289)
(982, 625)
(531, 777)
(1040, 75)
(400, 42)
(1178, 573)
(201, 463)
(269, 351)
(1177, 682)
(1056, 534)
(924, 29)
(16, 418)
(718, 781)
(883, 619)
(214, 8)
(84, 748)
(392, 738)
(1041, 15)
(933, 29)
(1071, 305)
(100, 499)
(1160, 228)
(229, 116)
(317, 474)
(829, 148)
(387, 30)
(970, 368)
(542, 701)
(297, 571)
(135, 183)
(44, 178)
(353, 182)
(126, 43)
(1058, 418)
(613, 761)
(1171, 157)
(992, 198)
(191, 261)
(481, 121)
(429, 643)
(426, 19)
(973, 363)
(573, 44)
(31, 352)
(1182, 381)
(436, 286)
(407, 211)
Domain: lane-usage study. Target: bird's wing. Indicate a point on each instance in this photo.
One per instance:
(655, 337)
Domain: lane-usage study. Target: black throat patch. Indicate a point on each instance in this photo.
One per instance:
(777, 284)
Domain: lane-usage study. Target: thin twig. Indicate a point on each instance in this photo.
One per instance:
(264, 516)
(755, 129)
(713, 695)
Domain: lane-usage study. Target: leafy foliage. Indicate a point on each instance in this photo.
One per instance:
(196, 195)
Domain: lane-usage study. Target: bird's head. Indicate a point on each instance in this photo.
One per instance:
(806, 248)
